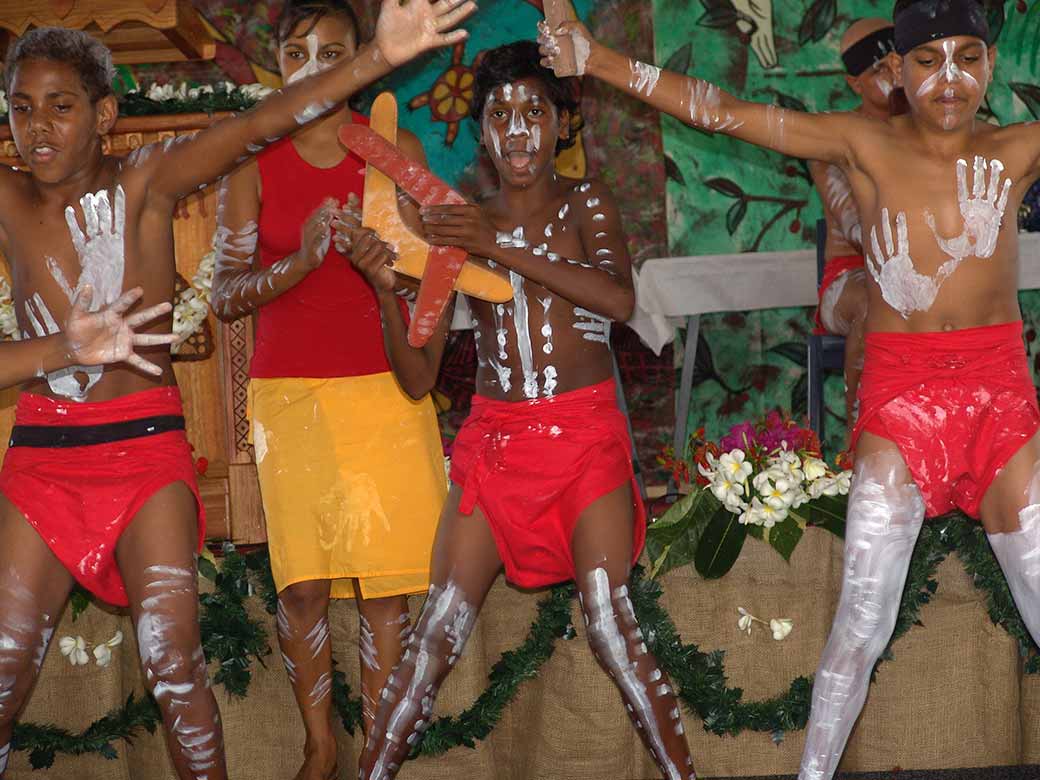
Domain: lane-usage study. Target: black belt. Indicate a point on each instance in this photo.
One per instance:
(86, 435)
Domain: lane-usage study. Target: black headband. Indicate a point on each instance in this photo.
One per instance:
(863, 54)
(931, 20)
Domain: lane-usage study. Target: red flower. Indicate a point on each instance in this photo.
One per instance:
(201, 466)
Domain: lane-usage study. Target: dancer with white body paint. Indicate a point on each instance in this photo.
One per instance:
(351, 468)
(542, 480)
(118, 510)
(948, 412)
(843, 289)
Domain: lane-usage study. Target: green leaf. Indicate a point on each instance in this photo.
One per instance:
(795, 351)
(718, 18)
(1028, 94)
(672, 171)
(996, 18)
(681, 59)
(735, 215)
(789, 101)
(828, 512)
(79, 600)
(784, 537)
(207, 569)
(672, 540)
(720, 545)
(728, 188)
(817, 22)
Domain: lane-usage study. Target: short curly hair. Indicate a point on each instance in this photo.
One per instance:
(520, 60)
(90, 58)
(296, 11)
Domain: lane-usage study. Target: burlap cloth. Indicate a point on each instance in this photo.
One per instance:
(953, 696)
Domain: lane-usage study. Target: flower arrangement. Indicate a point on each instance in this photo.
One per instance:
(765, 478)
(192, 306)
(8, 320)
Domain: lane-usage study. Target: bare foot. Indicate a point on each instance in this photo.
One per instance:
(319, 766)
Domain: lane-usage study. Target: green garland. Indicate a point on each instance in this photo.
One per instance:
(699, 678)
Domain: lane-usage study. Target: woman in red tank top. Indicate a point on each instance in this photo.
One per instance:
(351, 470)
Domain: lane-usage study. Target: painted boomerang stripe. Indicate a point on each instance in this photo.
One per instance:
(445, 262)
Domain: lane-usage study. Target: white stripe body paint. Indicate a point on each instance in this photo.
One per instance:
(644, 77)
(523, 335)
(595, 327)
(367, 642)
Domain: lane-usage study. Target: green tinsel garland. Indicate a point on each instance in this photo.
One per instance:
(699, 678)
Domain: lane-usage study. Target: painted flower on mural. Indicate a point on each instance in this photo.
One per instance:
(450, 96)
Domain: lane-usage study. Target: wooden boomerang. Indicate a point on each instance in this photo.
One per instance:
(556, 13)
(380, 213)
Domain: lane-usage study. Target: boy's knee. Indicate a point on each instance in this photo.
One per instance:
(304, 598)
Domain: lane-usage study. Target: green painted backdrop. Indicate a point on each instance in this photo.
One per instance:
(731, 43)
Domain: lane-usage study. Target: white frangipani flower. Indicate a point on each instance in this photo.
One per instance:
(814, 468)
(781, 627)
(255, 91)
(75, 649)
(746, 619)
(3, 102)
(734, 464)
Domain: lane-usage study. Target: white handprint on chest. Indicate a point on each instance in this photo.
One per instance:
(99, 250)
(982, 210)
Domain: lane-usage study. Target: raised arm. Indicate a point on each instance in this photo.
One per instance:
(699, 103)
(600, 282)
(239, 286)
(402, 33)
(89, 339)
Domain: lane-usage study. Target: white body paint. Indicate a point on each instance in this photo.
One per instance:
(949, 74)
(839, 200)
(644, 77)
(523, 335)
(982, 210)
(885, 515)
(62, 382)
(902, 287)
(547, 331)
(595, 327)
(703, 101)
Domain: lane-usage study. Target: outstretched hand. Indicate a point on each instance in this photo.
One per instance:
(404, 31)
(107, 335)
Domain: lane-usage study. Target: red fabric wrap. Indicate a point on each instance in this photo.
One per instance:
(834, 268)
(958, 404)
(534, 466)
(328, 325)
(81, 499)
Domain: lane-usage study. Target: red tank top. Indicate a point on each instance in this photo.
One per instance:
(328, 325)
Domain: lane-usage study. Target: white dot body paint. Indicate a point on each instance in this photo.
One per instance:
(523, 335)
(598, 218)
(608, 642)
(547, 331)
(549, 230)
(592, 203)
(562, 214)
(550, 381)
(644, 77)
(982, 209)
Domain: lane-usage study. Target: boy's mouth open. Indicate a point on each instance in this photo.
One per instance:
(519, 161)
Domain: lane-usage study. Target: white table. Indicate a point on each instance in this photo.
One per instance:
(674, 291)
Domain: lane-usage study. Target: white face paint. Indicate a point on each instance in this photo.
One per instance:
(982, 210)
(313, 65)
(644, 77)
(949, 72)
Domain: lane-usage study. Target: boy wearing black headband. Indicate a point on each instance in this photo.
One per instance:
(865, 47)
(948, 412)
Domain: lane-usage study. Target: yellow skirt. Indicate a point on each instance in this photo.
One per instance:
(352, 480)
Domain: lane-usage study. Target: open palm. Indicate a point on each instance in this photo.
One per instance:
(405, 31)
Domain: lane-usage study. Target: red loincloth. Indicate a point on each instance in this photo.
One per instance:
(834, 268)
(958, 404)
(79, 496)
(534, 466)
